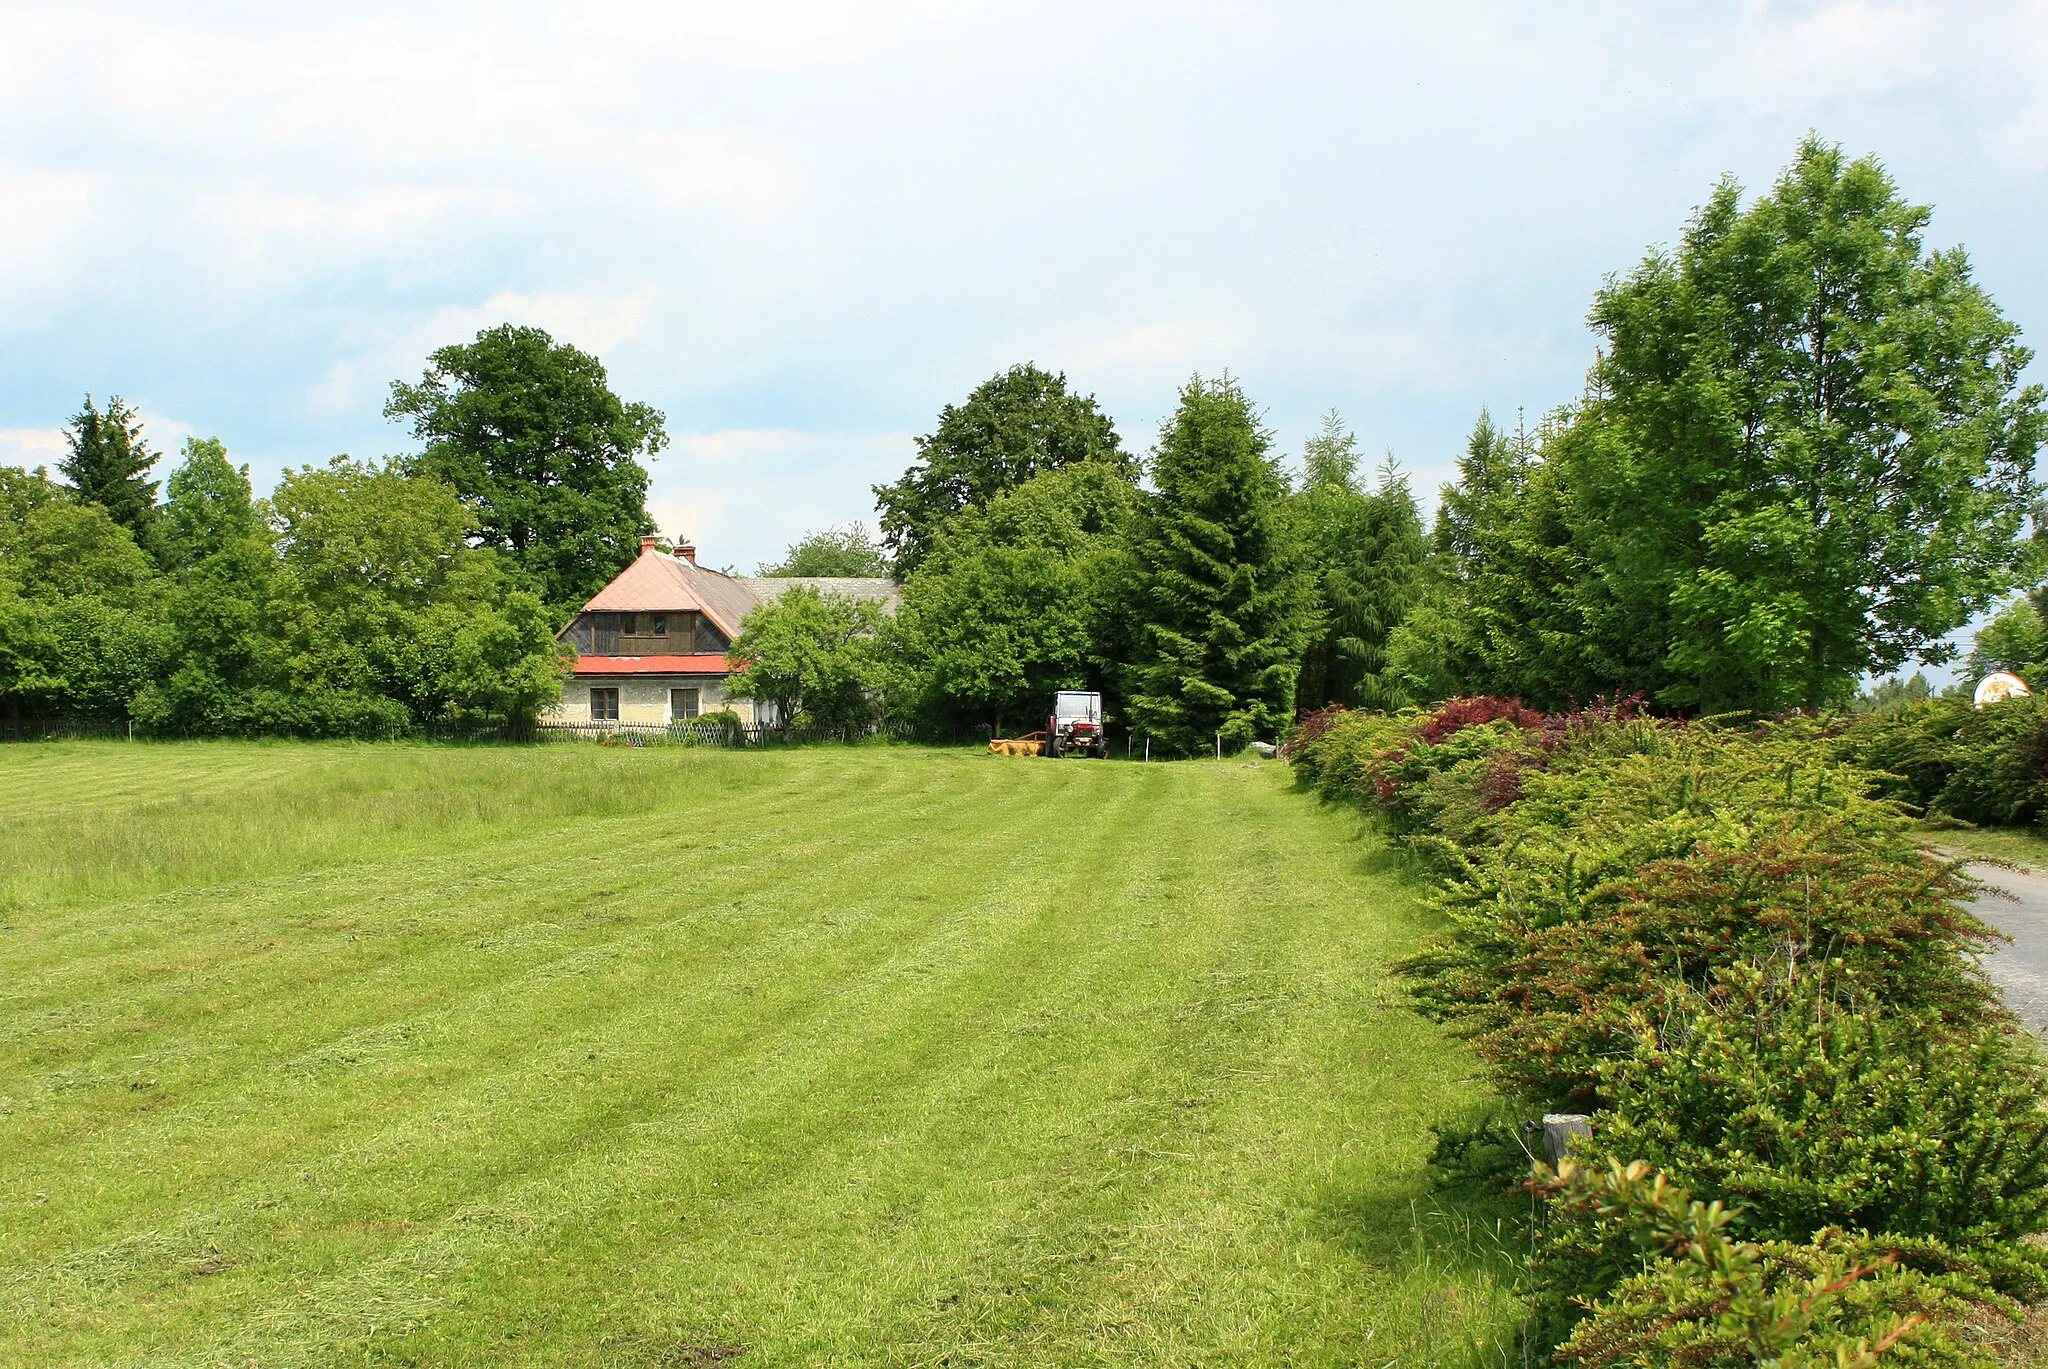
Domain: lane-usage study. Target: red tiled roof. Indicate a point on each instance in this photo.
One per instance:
(658, 583)
(652, 665)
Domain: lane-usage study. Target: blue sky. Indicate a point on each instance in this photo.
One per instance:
(800, 228)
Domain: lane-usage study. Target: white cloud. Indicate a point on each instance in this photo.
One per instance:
(743, 495)
(31, 447)
(799, 227)
(595, 323)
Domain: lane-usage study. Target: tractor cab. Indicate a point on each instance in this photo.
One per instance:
(1076, 725)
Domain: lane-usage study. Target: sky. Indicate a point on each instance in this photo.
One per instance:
(799, 229)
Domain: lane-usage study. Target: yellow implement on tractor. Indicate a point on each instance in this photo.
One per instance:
(1030, 744)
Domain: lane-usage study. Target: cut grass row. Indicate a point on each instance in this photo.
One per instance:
(341, 1055)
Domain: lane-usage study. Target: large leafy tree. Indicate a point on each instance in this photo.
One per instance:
(1216, 598)
(1016, 425)
(107, 462)
(815, 658)
(1365, 554)
(383, 619)
(80, 626)
(1009, 606)
(1807, 452)
(217, 612)
(528, 431)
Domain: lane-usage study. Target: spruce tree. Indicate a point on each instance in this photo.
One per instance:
(106, 465)
(1217, 595)
(1365, 553)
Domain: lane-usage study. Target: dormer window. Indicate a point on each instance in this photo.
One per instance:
(629, 624)
(658, 624)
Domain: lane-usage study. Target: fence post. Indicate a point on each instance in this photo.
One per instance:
(1219, 746)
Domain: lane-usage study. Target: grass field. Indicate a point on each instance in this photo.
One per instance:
(322, 1055)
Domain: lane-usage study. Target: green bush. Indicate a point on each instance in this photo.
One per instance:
(1944, 757)
(1644, 856)
(1332, 749)
(1731, 940)
(1812, 1114)
(1661, 1281)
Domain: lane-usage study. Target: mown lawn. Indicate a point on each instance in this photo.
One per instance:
(319, 1055)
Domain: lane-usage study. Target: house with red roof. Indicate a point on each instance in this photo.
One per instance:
(651, 646)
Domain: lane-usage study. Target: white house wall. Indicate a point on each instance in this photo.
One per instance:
(643, 699)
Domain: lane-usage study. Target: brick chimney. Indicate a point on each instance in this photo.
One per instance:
(647, 543)
(687, 552)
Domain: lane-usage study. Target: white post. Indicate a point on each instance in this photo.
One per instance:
(1148, 746)
(1219, 746)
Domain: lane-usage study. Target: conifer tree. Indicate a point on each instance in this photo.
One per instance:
(1365, 552)
(106, 465)
(1217, 595)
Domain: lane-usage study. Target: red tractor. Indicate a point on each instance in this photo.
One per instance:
(1075, 727)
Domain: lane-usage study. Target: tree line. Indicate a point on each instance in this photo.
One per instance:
(360, 598)
(1804, 454)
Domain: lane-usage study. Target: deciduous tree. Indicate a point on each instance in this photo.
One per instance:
(1014, 426)
(847, 551)
(1807, 453)
(1009, 606)
(815, 658)
(528, 431)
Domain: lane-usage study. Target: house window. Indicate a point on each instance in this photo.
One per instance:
(658, 624)
(629, 624)
(604, 705)
(682, 704)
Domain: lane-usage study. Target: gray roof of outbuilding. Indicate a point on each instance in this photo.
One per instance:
(767, 588)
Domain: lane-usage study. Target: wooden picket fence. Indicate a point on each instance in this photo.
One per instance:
(704, 734)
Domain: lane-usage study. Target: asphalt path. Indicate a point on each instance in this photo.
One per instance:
(2020, 967)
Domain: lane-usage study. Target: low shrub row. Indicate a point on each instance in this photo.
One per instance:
(1725, 944)
(1944, 758)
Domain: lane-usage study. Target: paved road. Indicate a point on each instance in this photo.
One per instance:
(2020, 968)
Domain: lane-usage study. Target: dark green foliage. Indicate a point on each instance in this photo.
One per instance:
(528, 432)
(1011, 604)
(217, 611)
(1983, 765)
(382, 620)
(1759, 388)
(1364, 555)
(79, 626)
(1216, 595)
(1504, 611)
(108, 463)
(847, 551)
(1014, 426)
(1805, 454)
